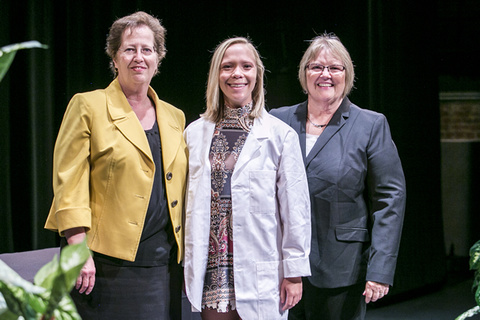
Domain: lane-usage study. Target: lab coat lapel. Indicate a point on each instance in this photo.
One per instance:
(125, 119)
(253, 143)
(205, 142)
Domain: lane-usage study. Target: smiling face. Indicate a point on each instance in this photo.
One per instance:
(324, 87)
(238, 73)
(136, 59)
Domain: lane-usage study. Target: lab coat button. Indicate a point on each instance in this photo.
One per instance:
(177, 229)
(174, 203)
(169, 176)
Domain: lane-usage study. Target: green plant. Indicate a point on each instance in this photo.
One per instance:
(7, 53)
(474, 265)
(48, 297)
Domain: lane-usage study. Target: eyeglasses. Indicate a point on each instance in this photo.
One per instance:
(318, 68)
(131, 51)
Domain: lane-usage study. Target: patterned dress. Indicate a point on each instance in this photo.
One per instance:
(227, 143)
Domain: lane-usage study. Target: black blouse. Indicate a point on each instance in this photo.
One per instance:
(157, 243)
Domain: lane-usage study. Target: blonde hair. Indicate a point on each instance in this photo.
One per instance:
(330, 42)
(135, 20)
(214, 96)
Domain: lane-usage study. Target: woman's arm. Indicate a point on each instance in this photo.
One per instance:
(71, 167)
(387, 198)
(71, 182)
(86, 279)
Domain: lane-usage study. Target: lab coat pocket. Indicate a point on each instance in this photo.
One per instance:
(262, 191)
(268, 284)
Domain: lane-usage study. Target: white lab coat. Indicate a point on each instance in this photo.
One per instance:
(270, 213)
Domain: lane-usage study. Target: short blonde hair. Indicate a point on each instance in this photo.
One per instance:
(330, 42)
(214, 96)
(133, 21)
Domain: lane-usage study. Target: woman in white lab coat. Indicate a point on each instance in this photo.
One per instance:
(247, 236)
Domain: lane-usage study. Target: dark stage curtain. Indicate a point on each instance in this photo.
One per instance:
(398, 48)
(26, 126)
(392, 44)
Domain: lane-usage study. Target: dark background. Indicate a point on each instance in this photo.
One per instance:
(405, 53)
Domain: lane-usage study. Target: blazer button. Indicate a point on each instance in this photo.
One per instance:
(174, 203)
(169, 176)
(177, 229)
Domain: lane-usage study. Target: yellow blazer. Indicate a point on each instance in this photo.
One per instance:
(104, 170)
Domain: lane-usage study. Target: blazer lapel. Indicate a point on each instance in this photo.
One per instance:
(171, 134)
(336, 123)
(299, 125)
(125, 119)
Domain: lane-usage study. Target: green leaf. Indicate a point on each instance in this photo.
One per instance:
(5, 61)
(46, 275)
(59, 276)
(6, 314)
(22, 45)
(10, 277)
(18, 293)
(475, 256)
(7, 53)
(72, 259)
(469, 313)
(477, 296)
(50, 296)
(3, 303)
(16, 298)
(474, 265)
(66, 310)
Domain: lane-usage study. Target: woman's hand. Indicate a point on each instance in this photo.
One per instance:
(86, 279)
(290, 292)
(375, 291)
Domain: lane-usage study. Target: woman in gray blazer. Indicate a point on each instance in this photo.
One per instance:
(356, 184)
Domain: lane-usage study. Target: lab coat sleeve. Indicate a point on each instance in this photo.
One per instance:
(294, 208)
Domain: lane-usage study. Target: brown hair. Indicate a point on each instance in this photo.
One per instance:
(135, 20)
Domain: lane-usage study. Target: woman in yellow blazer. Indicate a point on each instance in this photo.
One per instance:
(119, 180)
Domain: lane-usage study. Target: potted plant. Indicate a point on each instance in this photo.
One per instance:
(48, 297)
(474, 265)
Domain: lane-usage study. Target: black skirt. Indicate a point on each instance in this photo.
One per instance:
(132, 292)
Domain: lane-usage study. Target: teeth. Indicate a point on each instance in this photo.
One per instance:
(324, 85)
(237, 85)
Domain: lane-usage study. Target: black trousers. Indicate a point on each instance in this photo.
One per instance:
(345, 303)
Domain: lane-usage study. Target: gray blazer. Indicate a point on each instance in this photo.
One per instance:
(357, 194)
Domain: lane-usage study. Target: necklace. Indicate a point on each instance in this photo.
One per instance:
(317, 125)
